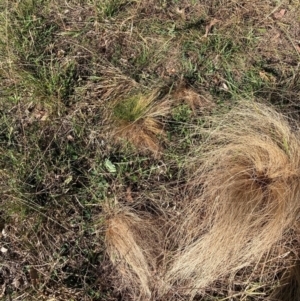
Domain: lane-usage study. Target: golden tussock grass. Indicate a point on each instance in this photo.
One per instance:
(133, 246)
(137, 119)
(247, 173)
(245, 177)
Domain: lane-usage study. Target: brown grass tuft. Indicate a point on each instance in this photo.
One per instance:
(137, 119)
(245, 183)
(143, 134)
(197, 102)
(247, 174)
(132, 244)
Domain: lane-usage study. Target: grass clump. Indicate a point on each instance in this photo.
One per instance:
(131, 109)
(244, 186)
(132, 244)
(138, 120)
(248, 180)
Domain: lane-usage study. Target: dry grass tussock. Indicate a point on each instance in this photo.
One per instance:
(138, 120)
(248, 170)
(246, 178)
(133, 246)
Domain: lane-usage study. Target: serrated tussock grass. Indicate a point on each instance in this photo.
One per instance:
(137, 119)
(133, 245)
(245, 182)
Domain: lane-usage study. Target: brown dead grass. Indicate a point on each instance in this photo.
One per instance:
(197, 102)
(138, 120)
(133, 246)
(249, 179)
(247, 176)
(290, 285)
(142, 134)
